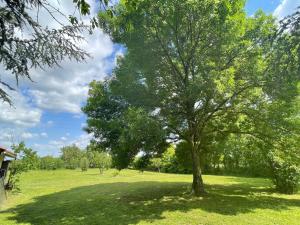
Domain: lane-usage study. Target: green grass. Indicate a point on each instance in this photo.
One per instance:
(75, 197)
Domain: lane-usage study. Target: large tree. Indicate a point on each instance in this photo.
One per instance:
(203, 69)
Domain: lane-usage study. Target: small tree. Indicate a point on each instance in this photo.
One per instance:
(102, 161)
(71, 155)
(15, 169)
(157, 163)
(28, 156)
(84, 164)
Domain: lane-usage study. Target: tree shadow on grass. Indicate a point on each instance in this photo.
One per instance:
(129, 203)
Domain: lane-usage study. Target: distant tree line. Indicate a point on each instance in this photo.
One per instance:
(72, 157)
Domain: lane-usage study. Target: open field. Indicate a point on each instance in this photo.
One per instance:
(75, 197)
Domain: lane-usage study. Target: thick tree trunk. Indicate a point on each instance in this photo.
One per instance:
(198, 186)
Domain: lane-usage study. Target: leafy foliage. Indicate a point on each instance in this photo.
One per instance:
(15, 169)
(100, 160)
(141, 163)
(121, 130)
(286, 176)
(84, 164)
(51, 163)
(156, 163)
(27, 156)
(71, 156)
(203, 70)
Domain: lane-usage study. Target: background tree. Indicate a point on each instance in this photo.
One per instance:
(157, 163)
(71, 156)
(202, 69)
(121, 130)
(51, 163)
(27, 156)
(102, 161)
(84, 164)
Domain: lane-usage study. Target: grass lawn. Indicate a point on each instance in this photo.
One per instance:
(75, 197)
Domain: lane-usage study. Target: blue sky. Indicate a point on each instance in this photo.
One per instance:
(266, 5)
(47, 113)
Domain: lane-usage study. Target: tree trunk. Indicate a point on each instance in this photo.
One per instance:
(198, 186)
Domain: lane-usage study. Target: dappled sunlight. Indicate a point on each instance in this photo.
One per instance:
(146, 201)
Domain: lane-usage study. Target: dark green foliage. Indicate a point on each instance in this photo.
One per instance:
(141, 163)
(183, 159)
(51, 163)
(286, 176)
(221, 83)
(121, 130)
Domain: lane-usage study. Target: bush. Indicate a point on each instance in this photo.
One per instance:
(286, 176)
(141, 163)
(84, 164)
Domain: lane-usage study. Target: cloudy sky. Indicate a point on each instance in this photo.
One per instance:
(47, 113)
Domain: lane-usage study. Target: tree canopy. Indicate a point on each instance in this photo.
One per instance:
(200, 70)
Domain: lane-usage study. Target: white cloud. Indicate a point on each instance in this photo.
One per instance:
(50, 122)
(65, 88)
(12, 135)
(63, 138)
(56, 89)
(44, 134)
(286, 7)
(53, 147)
(83, 140)
(29, 135)
(21, 114)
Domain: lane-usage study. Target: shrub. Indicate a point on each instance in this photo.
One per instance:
(141, 163)
(286, 176)
(84, 164)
